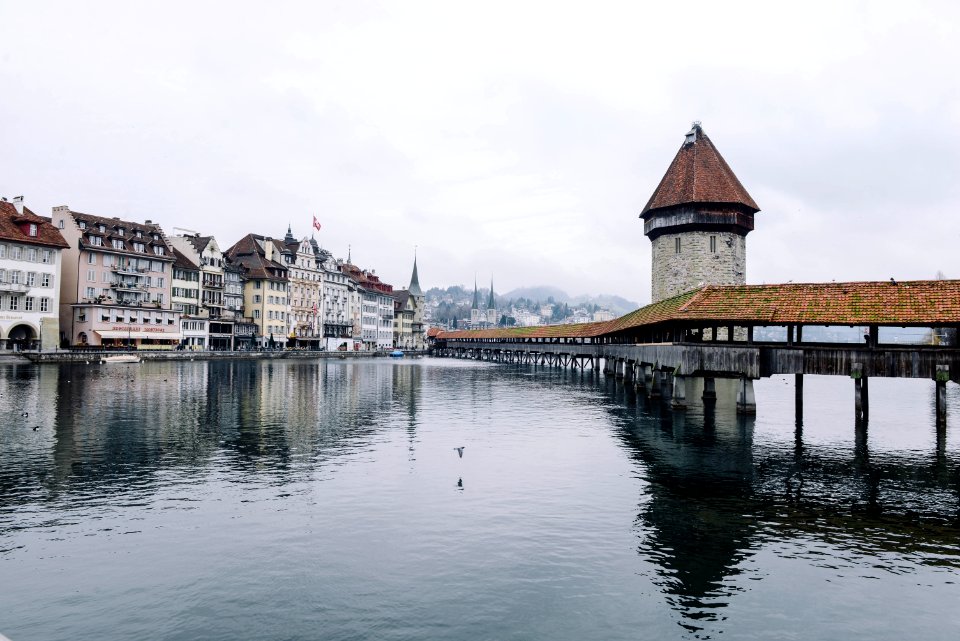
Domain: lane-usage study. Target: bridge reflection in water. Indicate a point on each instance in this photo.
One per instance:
(717, 495)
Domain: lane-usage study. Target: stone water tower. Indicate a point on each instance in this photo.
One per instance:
(698, 219)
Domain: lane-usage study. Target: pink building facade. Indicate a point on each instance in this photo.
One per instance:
(116, 283)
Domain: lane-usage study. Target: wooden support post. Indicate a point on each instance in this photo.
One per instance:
(628, 371)
(709, 389)
(746, 401)
(666, 385)
(861, 394)
(943, 375)
(654, 389)
(679, 399)
(798, 398)
(799, 334)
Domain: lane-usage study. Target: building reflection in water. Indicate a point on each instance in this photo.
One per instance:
(715, 496)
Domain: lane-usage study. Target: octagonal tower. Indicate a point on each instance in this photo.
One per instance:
(698, 219)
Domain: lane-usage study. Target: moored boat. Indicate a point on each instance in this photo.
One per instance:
(121, 358)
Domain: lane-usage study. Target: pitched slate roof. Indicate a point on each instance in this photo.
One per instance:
(182, 262)
(12, 223)
(699, 174)
(249, 252)
(112, 227)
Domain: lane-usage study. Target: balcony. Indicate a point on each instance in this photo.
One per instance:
(130, 286)
(17, 288)
(128, 271)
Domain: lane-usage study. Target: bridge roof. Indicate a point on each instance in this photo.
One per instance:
(924, 303)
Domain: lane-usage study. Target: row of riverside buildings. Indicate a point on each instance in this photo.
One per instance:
(75, 280)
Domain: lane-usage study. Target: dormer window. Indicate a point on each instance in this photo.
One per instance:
(117, 243)
(158, 250)
(32, 229)
(139, 234)
(83, 224)
(121, 230)
(96, 241)
(101, 228)
(138, 247)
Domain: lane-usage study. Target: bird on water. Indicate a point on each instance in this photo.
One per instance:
(460, 450)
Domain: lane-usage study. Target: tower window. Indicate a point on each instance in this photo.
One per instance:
(713, 244)
(676, 245)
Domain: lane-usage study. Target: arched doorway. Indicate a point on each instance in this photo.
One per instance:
(21, 337)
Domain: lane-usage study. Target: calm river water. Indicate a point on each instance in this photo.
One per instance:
(325, 500)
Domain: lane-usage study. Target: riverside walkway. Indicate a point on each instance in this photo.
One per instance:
(723, 331)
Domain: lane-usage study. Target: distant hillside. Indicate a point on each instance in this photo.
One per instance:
(539, 293)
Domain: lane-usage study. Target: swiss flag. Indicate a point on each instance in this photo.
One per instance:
(316, 223)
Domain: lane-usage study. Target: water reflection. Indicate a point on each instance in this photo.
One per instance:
(711, 496)
(716, 496)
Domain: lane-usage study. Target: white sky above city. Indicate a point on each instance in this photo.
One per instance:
(516, 139)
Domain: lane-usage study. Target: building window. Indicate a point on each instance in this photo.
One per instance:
(31, 279)
(15, 252)
(46, 257)
(96, 241)
(14, 303)
(28, 304)
(676, 245)
(60, 223)
(117, 243)
(91, 275)
(256, 314)
(83, 224)
(139, 247)
(15, 277)
(32, 229)
(45, 280)
(91, 259)
(32, 255)
(713, 244)
(91, 292)
(158, 250)
(44, 304)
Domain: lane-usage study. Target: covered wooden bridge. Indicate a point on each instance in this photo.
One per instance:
(746, 332)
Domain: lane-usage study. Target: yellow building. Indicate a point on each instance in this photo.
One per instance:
(266, 290)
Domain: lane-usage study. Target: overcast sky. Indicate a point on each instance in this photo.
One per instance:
(514, 139)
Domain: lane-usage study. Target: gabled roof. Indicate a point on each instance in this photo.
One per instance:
(249, 252)
(699, 175)
(11, 223)
(182, 262)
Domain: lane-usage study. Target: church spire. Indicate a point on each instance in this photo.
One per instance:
(476, 295)
(491, 303)
(414, 279)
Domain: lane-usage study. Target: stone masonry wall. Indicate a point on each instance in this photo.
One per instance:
(695, 265)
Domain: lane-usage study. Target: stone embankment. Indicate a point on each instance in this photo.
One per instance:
(96, 356)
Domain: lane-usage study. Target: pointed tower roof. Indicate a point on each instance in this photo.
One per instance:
(699, 174)
(491, 303)
(415, 280)
(476, 296)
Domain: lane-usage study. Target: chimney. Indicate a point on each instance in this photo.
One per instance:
(268, 248)
(18, 203)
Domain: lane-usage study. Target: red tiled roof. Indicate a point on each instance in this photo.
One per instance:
(112, 227)
(699, 174)
(11, 224)
(922, 303)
